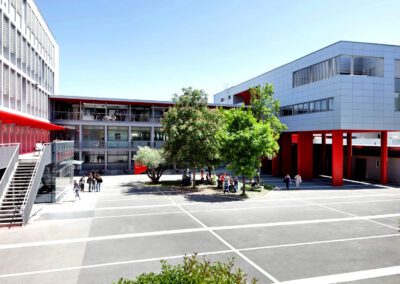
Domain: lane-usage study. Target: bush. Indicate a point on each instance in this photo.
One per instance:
(192, 271)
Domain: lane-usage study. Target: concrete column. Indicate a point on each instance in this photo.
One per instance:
(323, 153)
(129, 135)
(105, 160)
(305, 155)
(80, 159)
(152, 137)
(349, 154)
(129, 161)
(286, 153)
(80, 144)
(105, 136)
(337, 158)
(384, 157)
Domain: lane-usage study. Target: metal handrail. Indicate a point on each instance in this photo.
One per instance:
(9, 170)
(32, 181)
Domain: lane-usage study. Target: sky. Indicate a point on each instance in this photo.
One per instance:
(150, 49)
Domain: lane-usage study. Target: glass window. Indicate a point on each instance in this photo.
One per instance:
(117, 113)
(368, 66)
(397, 84)
(397, 68)
(317, 105)
(140, 114)
(397, 102)
(118, 157)
(159, 134)
(117, 133)
(93, 157)
(295, 109)
(324, 105)
(345, 64)
(140, 133)
(312, 106)
(93, 136)
(331, 104)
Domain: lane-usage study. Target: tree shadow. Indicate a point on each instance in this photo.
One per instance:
(138, 188)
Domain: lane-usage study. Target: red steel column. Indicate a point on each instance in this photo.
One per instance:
(384, 157)
(323, 153)
(337, 158)
(305, 155)
(286, 153)
(349, 154)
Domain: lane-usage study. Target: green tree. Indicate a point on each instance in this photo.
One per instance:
(243, 140)
(264, 108)
(153, 160)
(190, 128)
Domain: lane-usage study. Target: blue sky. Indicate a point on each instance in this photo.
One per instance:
(150, 49)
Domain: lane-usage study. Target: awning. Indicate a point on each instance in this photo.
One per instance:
(72, 162)
(8, 117)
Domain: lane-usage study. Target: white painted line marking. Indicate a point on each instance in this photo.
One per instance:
(265, 273)
(180, 256)
(347, 277)
(183, 231)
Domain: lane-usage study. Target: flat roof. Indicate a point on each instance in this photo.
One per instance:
(121, 101)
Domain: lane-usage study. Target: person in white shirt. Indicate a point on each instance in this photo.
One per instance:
(298, 180)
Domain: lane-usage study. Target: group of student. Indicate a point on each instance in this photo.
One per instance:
(210, 179)
(288, 181)
(93, 180)
(227, 183)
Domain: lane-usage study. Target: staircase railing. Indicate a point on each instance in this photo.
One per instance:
(34, 182)
(12, 151)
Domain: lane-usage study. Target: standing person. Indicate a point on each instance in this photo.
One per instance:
(298, 180)
(226, 183)
(287, 181)
(219, 180)
(236, 184)
(94, 183)
(76, 189)
(89, 182)
(214, 178)
(82, 183)
(99, 181)
(202, 176)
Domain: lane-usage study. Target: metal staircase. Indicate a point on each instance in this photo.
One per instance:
(10, 208)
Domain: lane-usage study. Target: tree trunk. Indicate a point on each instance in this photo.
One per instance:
(258, 174)
(194, 178)
(244, 186)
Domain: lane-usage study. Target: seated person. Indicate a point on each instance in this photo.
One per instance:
(253, 182)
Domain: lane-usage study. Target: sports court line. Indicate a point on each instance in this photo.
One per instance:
(347, 277)
(247, 201)
(261, 270)
(200, 254)
(215, 210)
(192, 230)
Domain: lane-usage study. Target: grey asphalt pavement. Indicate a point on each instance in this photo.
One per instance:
(318, 234)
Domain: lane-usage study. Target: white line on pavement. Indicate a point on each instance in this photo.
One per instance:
(347, 277)
(201, 229)
(265, 273)
(219, 209)
(200, 254)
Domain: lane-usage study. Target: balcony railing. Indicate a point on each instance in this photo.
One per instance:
(117, 144)
(135, 144)
(93, 144)
(158, 144)
(120, 117)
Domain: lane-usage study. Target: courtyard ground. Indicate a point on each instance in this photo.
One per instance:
(317, 234)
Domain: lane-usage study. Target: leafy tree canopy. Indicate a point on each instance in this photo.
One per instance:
(190, 128)
(153, 160)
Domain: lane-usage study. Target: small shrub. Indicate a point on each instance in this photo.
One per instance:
(193, 270)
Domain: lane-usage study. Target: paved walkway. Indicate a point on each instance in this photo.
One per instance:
(314, 235)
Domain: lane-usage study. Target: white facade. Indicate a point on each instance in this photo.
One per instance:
(360, 102)
(29, 60)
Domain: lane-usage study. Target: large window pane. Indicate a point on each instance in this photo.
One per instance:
(118, 158)
(324, 105)
(93, 136)
(368, 66)
(397, 69)
(93, 157)
(117, 136)
(345, 64)
(397, 102)
(140, 133)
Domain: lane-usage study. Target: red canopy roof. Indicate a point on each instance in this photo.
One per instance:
(8, 117)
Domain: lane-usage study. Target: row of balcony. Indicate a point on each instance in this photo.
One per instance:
(120, 117)
(117, 144)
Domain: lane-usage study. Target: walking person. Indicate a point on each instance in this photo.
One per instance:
(94, 183)
(287, 181)
(89, 182)
(82, 183)
(76, 189)
(298, 180)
